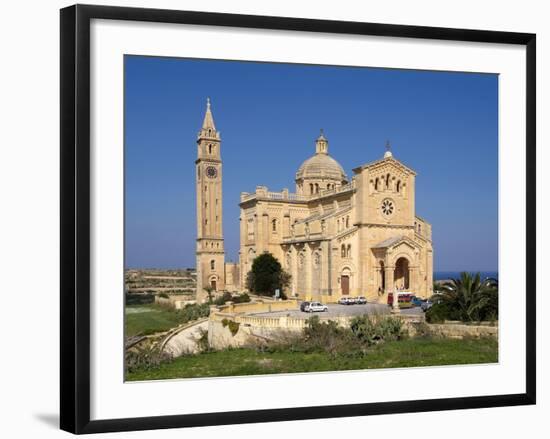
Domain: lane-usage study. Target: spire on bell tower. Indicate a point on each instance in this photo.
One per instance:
(208, 138)
(208, 122)
(321, 144)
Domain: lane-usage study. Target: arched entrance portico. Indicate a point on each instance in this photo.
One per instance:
(401, 274)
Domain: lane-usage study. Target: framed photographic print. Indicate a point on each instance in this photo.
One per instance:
(272, 218)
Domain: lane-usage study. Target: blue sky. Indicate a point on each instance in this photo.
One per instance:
(444, 125)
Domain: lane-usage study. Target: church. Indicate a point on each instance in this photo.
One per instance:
(336, 236)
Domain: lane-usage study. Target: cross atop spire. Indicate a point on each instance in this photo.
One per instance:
(208, 118)
(388, 152)
(321, 144)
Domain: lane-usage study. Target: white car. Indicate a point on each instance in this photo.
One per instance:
(316, 307)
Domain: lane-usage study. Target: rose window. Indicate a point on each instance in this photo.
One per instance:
(387, 207)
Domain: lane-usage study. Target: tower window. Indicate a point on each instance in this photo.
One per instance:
(398, 186)
(347, 222)
(348, 251)
(376, 182)
(212, 264)
(205, 204)
(343, 252)
(274, 225)
(205, 222)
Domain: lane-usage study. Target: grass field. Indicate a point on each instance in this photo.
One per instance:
(405, 353)
(149, 319)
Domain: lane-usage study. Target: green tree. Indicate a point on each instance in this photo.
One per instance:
(469, 297)
(267, 275)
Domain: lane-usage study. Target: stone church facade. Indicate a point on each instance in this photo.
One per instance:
(336, 236)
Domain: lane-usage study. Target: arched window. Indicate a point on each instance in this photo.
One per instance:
(388, 181)
(205, 222)
(274, 225)
(419, 228)
(316, 188)
(328, 187)
(376, 183)
(343, 251)
(205, 204)
(347, 221)
(398, 186)
(212, 264)
(210, 149)
(348, 251)
(311, 188)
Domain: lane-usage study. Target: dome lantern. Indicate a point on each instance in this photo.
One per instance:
(321, 171)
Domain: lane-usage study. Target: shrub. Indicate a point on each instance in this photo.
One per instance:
(439, 312)
(164, 295)
(331, 338)
(372, 329)
(225, 297)
(233, 326)
(145, 358)
(193, 312)
(202, 341)
(228, 297)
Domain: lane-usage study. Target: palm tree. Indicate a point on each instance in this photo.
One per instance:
(470, 297)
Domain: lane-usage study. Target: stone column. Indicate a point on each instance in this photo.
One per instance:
(390, 287)
(294, 273)
(308, 269)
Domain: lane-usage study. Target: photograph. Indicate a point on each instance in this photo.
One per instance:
(286, 218)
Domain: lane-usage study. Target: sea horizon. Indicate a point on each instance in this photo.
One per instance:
(444, 275)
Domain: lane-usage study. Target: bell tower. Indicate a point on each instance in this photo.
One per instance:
(210, 249)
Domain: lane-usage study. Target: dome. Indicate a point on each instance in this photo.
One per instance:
(321, 166)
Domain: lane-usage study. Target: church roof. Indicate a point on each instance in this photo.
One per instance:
(388, 242)
(321, 165)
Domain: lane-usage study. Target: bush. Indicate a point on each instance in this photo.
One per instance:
(228, 297)
(164, 295)
(202, 341)
(371, 329)
(193, 312)
(439, 312)
(233, 326)
(145, 358)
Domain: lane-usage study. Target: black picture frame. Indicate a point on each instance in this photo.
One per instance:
(75, 217)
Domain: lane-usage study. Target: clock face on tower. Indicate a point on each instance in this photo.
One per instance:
(211, 172)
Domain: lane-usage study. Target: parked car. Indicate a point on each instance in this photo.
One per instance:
(361, 300)
(316, 307)
(426, 305)
(417, 301)
(303, 306)
(343, 300)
